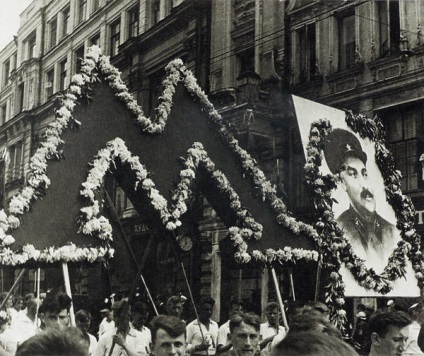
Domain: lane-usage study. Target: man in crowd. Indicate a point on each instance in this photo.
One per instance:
(224, 340)
(54, 342)
(202, 334)
(140, 317)
(272, 327)
(107, 322)
(82, 322)
(244, 334)
(416, 311)
(168, 336)
(123, 339)
(26, 325)
(54, 311)
(312, 343)
(388, 332)
(174, 306)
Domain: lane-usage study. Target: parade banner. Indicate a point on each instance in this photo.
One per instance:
(362, 224)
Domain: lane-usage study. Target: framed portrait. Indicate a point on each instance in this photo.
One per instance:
(362, 220)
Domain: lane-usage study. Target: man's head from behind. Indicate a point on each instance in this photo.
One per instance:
(168, 335)
(244, 329)
(388, 332)
(55, 342)
(344, 156)
(312, 343)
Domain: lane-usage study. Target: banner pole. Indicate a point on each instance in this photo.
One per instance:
(68, 290)
(280, 300)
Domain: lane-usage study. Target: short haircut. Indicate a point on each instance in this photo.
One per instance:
(206, 300)
(380, 321)
(171, 324)
(55, 302)
(83, 316)
(173, 300)
(318, 306)
(311, 320)
(312, 343)
(54, 342)
(271, 306)
(237, 303)
(247, 318)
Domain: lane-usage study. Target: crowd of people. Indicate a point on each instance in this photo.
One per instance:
(31, 326)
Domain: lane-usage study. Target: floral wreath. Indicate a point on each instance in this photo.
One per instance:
(335, 247)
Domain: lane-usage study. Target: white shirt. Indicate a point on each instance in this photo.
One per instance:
(223, 332)
(412, 347)
(134, 340)
(194, 337)
(24, 328)
(267, 330)
(93, 345)
(106, 326)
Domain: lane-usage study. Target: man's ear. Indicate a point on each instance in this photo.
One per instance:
(375, 339)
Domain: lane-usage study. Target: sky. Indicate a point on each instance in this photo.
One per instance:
(9, 19)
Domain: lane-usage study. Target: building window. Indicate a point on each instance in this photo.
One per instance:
(6, 72)
(155, 12)
(63, 73)
(115, 34)
(65, 25)
(15, 156)
(307, 52)
(31, 42)
(3, 114)
(133, 17)
(246, 60)
(389, 26)
(404, 135)
(79, 57)
(82, 11)
(96, 5)
(346, 27)
(49, 82)
(20, 98)
(53, 33)
(95, 40)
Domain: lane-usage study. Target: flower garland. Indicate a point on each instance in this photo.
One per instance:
(94, 65)
(335, 247)
(38, 182)
(176, 73)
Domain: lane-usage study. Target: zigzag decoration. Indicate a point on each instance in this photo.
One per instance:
(38, 181)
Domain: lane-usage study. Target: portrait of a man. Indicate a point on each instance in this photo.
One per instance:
(372, 237)
(360, 204)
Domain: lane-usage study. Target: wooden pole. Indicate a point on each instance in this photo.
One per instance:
(173, 239)
(280, 300)
(15, 284)
(292, 284)
(65, 271)
(318, 279)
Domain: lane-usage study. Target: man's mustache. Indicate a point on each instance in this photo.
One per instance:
(366, 194)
